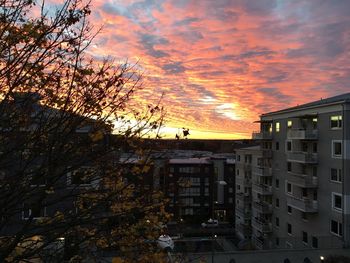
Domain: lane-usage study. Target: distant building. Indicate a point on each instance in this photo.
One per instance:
(200, 188)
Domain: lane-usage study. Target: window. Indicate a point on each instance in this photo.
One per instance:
(36, 210)
(304, 216)
(336, 122)
(303, 192)
(277, 146)
(289, 188)
(337, 201)
(336, 148)
(314, 242)
(304, 235)
(336, 175)
(289, 166)
(336, 228)
(277, 241)
(277, 126)
(238, 187)
(289, 124)
(277, 202)
(238, 158)
(277, 221)
(314, 123)
(289, 229)
(289, 146)
(277, 183)
(237, 172)
(314, 147)
(289, 209)
(81, 176)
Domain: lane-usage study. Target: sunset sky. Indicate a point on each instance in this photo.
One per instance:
(221, 63)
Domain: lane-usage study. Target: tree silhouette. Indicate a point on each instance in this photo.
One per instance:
(65, 119)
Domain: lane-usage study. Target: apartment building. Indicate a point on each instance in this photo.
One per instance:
(200, 188)
(245, 160)
(303, 173)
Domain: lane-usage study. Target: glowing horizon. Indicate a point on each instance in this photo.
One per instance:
(222, 63)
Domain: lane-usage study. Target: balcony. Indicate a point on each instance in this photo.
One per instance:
(266, 153)
(244, 229)
(302, 157)
(262, 189)
(245, 198)
(245, 181)
(302, 180)
(262, 207)
(303, 204)
(263, 135)
(262, 171)
(244, 213)
(262, 225)
(245, 166)
(302, 134)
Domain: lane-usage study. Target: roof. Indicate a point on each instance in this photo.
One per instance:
(321, 102)
(190, 161)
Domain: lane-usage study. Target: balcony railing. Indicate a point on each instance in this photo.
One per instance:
(246, 181)
(262, 207)
(262, 135)
(303, 180)
(302, 134)
(245, 166)
(303, 204)
(302, 157)
(244, 213)
(262, 189)
(261, 225)
(262, 171)
(267, 153)
(244, 229)
(245, 198)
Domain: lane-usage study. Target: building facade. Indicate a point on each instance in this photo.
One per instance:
(303, 176)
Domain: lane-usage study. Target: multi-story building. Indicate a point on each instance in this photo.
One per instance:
(304, 172)
(200, 188)
(244, 166)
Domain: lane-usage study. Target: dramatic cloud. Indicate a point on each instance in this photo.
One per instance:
(222, 63)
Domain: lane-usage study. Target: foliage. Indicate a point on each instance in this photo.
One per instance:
(63, 188)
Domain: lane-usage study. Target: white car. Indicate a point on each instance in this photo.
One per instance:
(165, 242)
(210, 223)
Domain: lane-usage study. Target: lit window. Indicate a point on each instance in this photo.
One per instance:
(336, 148)
(336, 122)
(289, 124)
(277, 127)
(336, 228)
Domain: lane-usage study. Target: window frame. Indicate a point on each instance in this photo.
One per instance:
(333, 202)
(339, 177)
(339, 227)
(339, 122)
(333, 148)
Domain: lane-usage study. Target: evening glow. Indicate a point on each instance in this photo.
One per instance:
(222, 63)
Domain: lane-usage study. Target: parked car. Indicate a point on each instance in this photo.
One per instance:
(210, 223)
